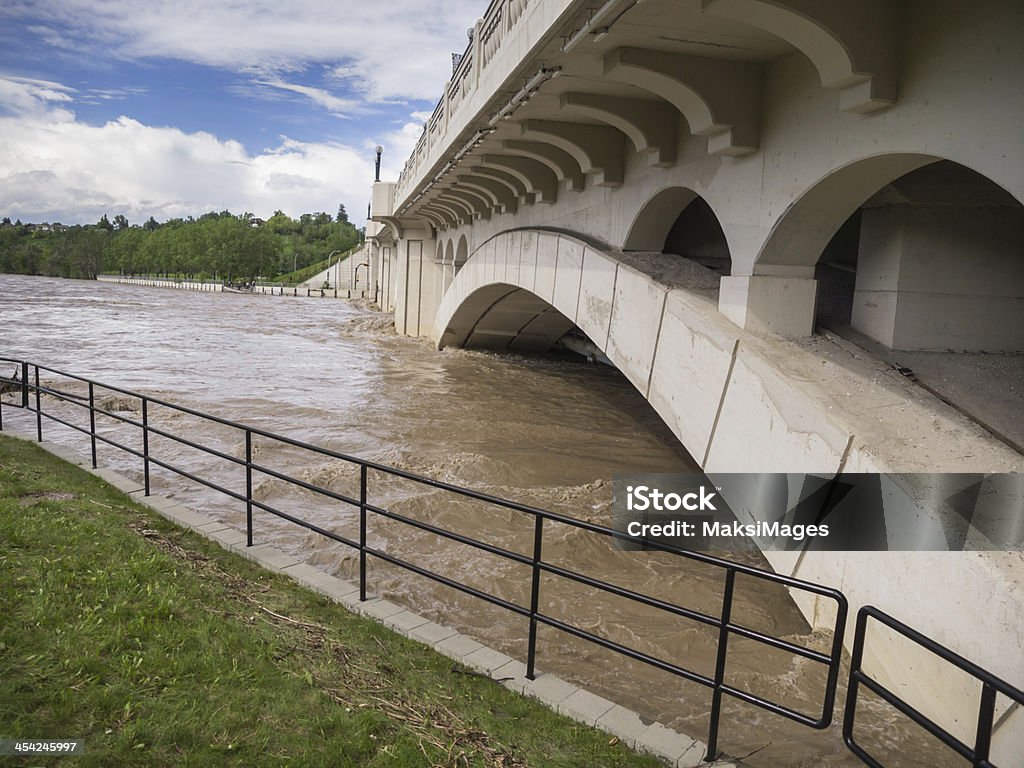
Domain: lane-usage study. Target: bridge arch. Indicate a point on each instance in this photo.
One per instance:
(916, 251)
(679, 221)
(523, 290)
(461, 253)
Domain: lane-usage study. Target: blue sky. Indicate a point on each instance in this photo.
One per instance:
(173, 109)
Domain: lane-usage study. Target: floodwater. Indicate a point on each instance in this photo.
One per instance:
(548, 432)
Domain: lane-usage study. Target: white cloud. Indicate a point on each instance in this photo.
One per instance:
(337, 106)
(23, 95)
(390, 48)
(54, 167)
(94, 95)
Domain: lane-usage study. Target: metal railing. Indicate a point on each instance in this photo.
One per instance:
(29, 390)
(31, 399)
(978, 754)
(497, 22)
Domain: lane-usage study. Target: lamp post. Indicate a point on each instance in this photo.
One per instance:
(335, 268)
(355, 275)
(380, 150)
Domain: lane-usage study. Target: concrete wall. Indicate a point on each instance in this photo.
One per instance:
(263, 290)
(942, 277)
(188, 285)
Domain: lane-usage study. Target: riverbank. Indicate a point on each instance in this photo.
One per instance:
(157, 647)
(215, 287)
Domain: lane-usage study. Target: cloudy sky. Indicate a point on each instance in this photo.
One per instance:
(144, 107)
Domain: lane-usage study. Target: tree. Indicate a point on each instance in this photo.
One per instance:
(342, 215)
(281, 224)
(217, 243)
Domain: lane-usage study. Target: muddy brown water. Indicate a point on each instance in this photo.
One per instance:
(548, 432)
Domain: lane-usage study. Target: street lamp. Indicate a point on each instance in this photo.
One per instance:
(355, 275)
(336, 281)
(380, 150)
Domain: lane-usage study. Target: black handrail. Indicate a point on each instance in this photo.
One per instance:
(978, 754)
(723, 622)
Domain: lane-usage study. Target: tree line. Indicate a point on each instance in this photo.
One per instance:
(217, 245)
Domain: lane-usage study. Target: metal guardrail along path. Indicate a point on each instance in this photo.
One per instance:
(29, 393)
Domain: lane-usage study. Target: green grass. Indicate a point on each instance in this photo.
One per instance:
(159, 648)
(302, 275)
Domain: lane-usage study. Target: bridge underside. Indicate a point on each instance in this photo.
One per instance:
(505, 318)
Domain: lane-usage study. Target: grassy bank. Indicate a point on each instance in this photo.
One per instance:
(304, 274)
(159, 648)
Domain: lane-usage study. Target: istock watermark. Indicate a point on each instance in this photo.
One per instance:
(640, 498)
(776, 511)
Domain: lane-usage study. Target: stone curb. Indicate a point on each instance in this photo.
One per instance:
(576, 703)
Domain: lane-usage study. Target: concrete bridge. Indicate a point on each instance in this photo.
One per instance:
(751, 208)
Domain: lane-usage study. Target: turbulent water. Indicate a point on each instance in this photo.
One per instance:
(549, 432)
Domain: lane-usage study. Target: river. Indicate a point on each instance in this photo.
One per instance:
(546, 431)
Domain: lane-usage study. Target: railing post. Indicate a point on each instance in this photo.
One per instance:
(145, 442)
(478, 52)
(92, 423)
(852, 687)
(531, 650)
(986, 712)
(248, 487)
(24, 385)
(362, 532)
(723, 648)
(39, 412)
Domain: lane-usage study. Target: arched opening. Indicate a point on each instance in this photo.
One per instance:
(502, 317)
(933, 260)
(697, 236)
(447, 267)
(461, 254)
(678, 221)
(927, 274)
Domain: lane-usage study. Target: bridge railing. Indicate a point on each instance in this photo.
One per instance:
(498, 22)
(977, 754)
(30, 392)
